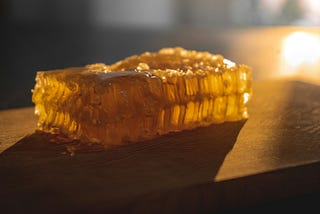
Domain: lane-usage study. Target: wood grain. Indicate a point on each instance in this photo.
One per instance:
(273, 155)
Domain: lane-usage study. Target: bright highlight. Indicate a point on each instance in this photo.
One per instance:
(301, 48)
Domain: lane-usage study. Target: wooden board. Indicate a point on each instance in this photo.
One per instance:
(273, 155)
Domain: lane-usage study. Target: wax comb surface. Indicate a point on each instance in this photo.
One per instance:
(142, 96)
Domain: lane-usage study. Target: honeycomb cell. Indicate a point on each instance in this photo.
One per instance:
(142, 96)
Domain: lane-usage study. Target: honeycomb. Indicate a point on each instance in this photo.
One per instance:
(141, 97)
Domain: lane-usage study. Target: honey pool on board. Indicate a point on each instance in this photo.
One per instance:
(142, 96)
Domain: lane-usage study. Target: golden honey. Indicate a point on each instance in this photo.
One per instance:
(142, 96)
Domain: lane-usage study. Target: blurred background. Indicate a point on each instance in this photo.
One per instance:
(41, 35)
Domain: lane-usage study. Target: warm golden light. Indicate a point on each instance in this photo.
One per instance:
(301, 48)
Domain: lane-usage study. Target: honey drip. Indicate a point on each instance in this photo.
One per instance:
(142, 96)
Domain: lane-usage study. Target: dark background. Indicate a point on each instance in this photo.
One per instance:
(42, 35)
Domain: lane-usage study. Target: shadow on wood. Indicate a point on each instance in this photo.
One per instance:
(299, 124)
(37, 176)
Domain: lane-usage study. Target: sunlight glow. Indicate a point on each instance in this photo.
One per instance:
(301, 48)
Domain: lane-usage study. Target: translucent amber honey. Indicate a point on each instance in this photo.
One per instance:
(142, 96)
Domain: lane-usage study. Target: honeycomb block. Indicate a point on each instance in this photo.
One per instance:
(141, 97)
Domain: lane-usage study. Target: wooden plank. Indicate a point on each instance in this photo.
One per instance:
(276, 151)
(16, 124)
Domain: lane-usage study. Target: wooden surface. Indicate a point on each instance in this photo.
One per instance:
(273, 155)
